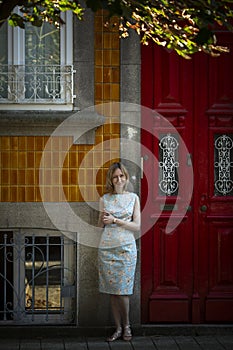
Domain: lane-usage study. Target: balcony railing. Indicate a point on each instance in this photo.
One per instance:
(47, 84)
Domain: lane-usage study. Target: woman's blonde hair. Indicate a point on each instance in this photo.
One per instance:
(113, 167)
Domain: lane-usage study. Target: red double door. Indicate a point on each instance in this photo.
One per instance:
(187, 275)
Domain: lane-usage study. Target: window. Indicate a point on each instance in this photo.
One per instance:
(37, 278)
(36, 66)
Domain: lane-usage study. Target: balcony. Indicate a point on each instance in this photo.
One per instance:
(36, 85)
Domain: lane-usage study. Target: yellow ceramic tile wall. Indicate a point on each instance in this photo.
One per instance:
(79, 173)
(81, 177)
(107, 89)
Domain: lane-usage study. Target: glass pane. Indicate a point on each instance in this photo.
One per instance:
(43, 273)
(223, 165)
(168, 165)
(3, 41)
(3, 61)
(42, 45)
(42, 60)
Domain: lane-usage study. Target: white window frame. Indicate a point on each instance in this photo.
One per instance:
(16, 56)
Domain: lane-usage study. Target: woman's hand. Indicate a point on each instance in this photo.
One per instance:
(107, 218)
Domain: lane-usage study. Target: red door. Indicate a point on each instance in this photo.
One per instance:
(187, 276)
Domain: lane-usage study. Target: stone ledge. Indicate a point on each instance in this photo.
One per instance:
(32, 215)
(33, 123)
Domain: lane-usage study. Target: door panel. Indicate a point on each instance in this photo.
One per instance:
(188, 276)
(214, 205)
(169, 299)
(166, 259)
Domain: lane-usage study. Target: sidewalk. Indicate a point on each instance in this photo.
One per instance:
(137, 343)
(212, 338)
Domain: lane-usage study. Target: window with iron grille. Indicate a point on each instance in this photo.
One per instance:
(36, 66)
(38, 278)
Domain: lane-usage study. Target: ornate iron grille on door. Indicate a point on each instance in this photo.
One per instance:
(168, 164)
(223, 165)
(38, 278)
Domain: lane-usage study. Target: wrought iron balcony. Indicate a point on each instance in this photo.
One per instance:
(36, 84)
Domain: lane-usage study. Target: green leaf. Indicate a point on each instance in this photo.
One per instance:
(16, 20)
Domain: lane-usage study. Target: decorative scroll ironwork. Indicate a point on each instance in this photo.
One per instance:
(168, 164)
(34, 279)
(223, 164)
(51, 84)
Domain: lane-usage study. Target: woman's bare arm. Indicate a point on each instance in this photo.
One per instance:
(133, 225)
(101, 213)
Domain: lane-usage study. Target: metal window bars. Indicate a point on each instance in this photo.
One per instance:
(37, 278)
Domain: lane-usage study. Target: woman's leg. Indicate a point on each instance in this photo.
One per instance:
(117, 318)
(116, 310)
(123, 302)
(124, 310)
(120, 310)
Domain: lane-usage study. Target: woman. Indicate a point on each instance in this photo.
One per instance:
(120, 217)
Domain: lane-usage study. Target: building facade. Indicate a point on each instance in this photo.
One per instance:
(72, 101)
(48, 76)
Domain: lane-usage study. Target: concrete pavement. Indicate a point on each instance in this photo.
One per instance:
(151, 338)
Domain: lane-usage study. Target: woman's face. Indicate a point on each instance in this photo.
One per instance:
(118, 180)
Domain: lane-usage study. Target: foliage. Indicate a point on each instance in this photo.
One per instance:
(37, 11)
(185, 26)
